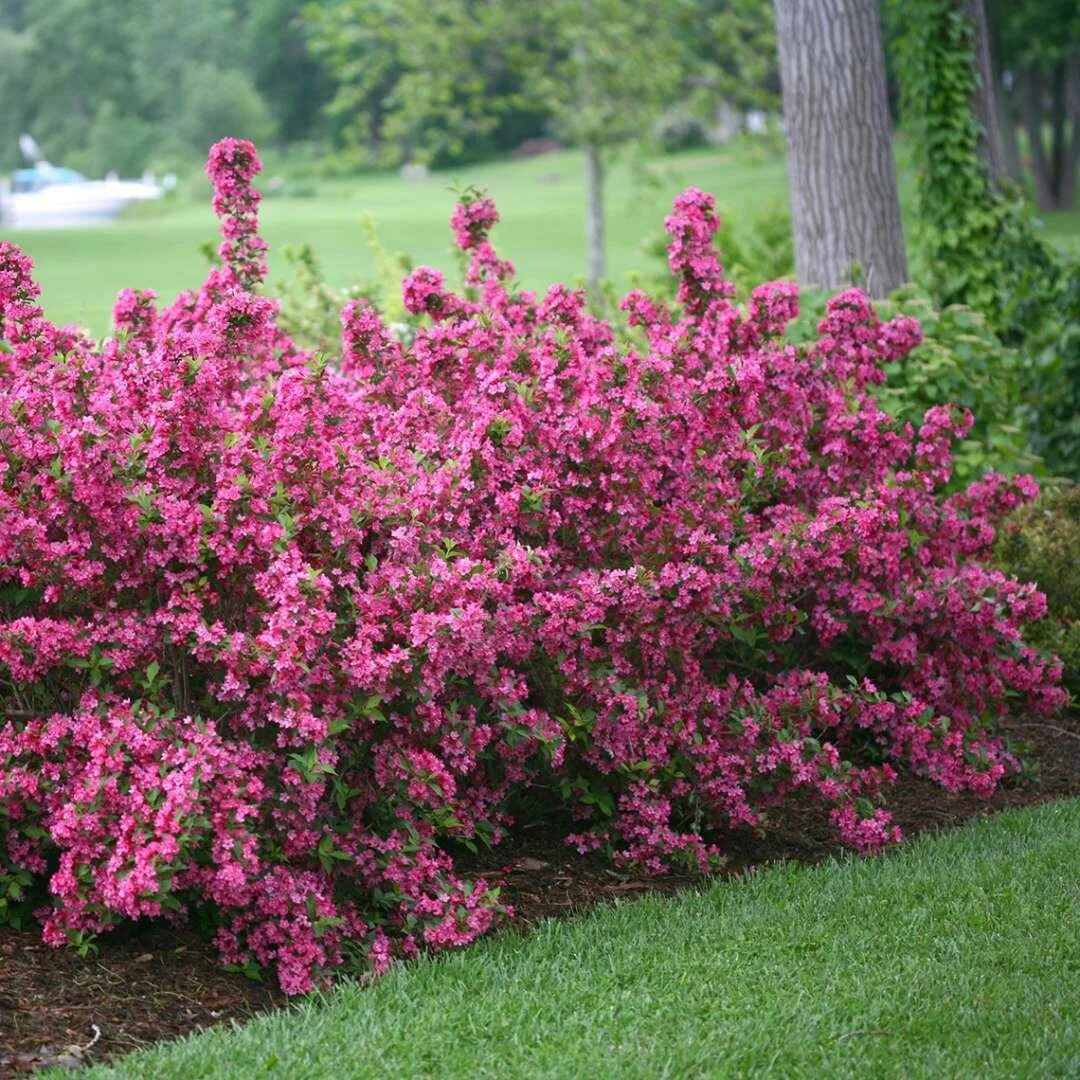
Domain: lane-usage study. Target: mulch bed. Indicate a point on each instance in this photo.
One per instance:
(151, 982)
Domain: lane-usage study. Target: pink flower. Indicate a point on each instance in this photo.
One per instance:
(297, 630)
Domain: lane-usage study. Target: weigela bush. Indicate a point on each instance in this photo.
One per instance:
(282, 636)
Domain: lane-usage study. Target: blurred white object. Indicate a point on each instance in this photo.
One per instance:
(757, 122)
(725, 124)
(29, 148)
(51, 197)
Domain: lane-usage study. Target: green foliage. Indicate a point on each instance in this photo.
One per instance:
(124, 84)
(78, 48)
(962, 360)
(978, 243)
(15, 52)
(431, 80)
(117, 143)
(163, 49)
(1054, 354)
(1041, 32)
(733, 52)
(762, 250)
(1035, 41)
(1041, 543)
(290, 79)
(311, 307)
(441, 80)
(220, 103)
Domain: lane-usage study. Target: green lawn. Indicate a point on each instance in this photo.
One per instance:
(541, 203)
(956, 956)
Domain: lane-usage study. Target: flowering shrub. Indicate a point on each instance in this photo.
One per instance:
(280, 636)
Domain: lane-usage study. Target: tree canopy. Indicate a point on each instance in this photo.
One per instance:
(376, 81)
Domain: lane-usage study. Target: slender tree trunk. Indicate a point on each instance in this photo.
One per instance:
(1067, 192)
(594, 165)
(1010, 144)
(983, 104)
(1031, 94)
(1054, 167)
(594, 216)
(844, 205)
(1057, 135)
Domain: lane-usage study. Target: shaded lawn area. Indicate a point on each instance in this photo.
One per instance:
(957, 955)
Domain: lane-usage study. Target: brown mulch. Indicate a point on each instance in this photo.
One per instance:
(151, 982)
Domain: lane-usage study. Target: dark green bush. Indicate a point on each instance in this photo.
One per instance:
(1055, 378)
(1041, 543)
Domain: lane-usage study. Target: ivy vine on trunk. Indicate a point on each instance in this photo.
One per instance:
(974, 232)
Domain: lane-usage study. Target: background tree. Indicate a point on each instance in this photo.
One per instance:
(1037, 47)
(436, 81)
(15, 54)
(292, 81)
(61, 98)
(595, 72)
(136, 84)
(731, 53)
(976, 240)
(844, 204)
(983, 102)
(378, 81)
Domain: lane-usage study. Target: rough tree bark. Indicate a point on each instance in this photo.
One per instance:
(984, 105)
(594, 216)
(844, 204)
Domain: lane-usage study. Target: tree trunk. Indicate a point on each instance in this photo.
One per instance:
(1065, 128)
(594, 216)
(1067, 192)
(1010, 144)
(844, 204)
(1057, 135)
(983, 104)
(1031, 98)
(1053, 168)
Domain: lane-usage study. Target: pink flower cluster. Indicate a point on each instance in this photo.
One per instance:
(283, 637)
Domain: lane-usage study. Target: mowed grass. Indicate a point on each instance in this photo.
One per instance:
(541, 202)
(956, 956)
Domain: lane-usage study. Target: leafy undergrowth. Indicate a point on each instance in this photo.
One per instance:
(955, 956)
